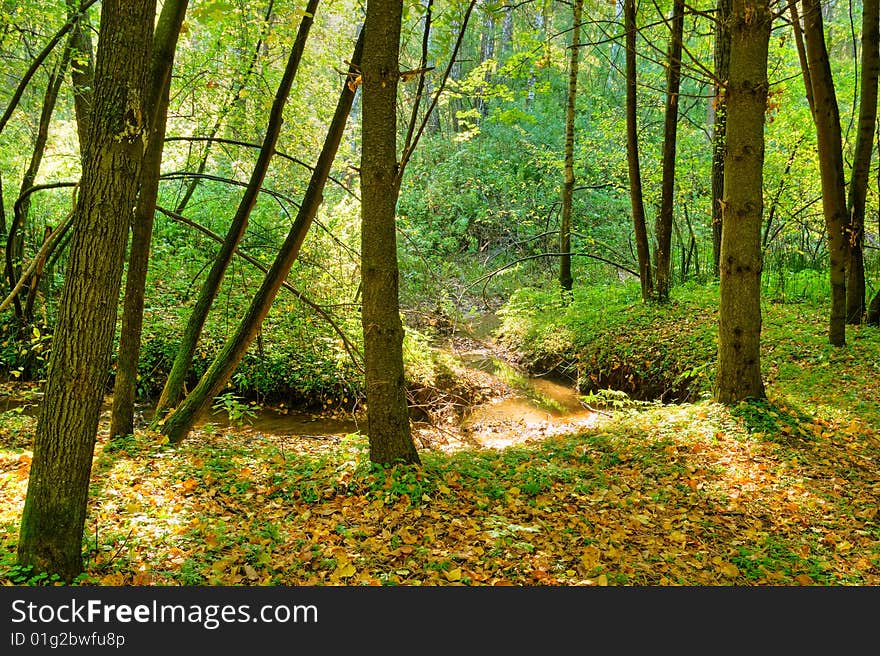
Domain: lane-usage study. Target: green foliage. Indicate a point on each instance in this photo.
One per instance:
(237, 412)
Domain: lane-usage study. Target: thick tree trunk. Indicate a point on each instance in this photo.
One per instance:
(858, 189)
(643, 248)
(739, 330)
(173, 388)
(719, 125)
(181, 421)
(55, 507)
(663, 224)
(565, 279)
(125, 385)
(831, 170)
(387, 413)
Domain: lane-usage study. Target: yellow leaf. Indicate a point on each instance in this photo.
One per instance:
(250, 572)
(113, 579)
(345, 570)
(590, 557)
(453, 574)
(728, 569)
(602, 580)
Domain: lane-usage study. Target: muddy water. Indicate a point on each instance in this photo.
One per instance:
(266, 419)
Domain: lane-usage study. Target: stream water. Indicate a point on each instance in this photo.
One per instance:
(517, 408)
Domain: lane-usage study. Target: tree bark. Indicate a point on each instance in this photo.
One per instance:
(82, 70)
(125, 384)
(643, 248)
(719, 125)
(387, 413)
(831, 171)
(663, 223)
(738, 375)
(565, 279)
(55, 507)
(181, 421)
(858, 189)
(174, 385)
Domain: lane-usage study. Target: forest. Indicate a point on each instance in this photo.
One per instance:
(439, 292)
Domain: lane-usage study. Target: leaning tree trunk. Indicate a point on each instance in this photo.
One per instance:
(54, 513)
(663, 224)
(643, 249)
(173, 388)
(387, 412)
(15, 240)
(858, 189)
(831, 171)
(125, 385)
(565, 279)
(181, 420)
(738, 375)
(719, 126)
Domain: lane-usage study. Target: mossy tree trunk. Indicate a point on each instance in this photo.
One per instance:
(387, 412)
(665, 217)
(719, 124)
(55, 507)
(565, 279)
(181, 420)
(826, 115)
(738, 374)
(643, 247)
(125, 385)
(858, 187)
(173, 389)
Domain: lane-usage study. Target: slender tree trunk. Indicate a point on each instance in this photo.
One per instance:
(739, 329)
(565, 279)
(831, 170)
(643, 248)
(125, 384)
(15, 240)
(802, 53)
(719, 125)
(663, 224)
(181, 421)
(54, 513)
(82, 70)
(174, 385)
(387, 413)
(487, 52)
(236, 93)
(858, 189)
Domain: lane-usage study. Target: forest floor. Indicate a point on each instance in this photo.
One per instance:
(778, 492)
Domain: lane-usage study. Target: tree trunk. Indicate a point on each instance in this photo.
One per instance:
(565, 279)
(802, 54)
(82, 70)
(174, 385)
(831, 171)
(55, 507)
(236, 92)
(858, 189)
(387, 413)
(125, 385)
(663, 224)
(739, 330)
(181, 421)
(636, 196)
(719, 125)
